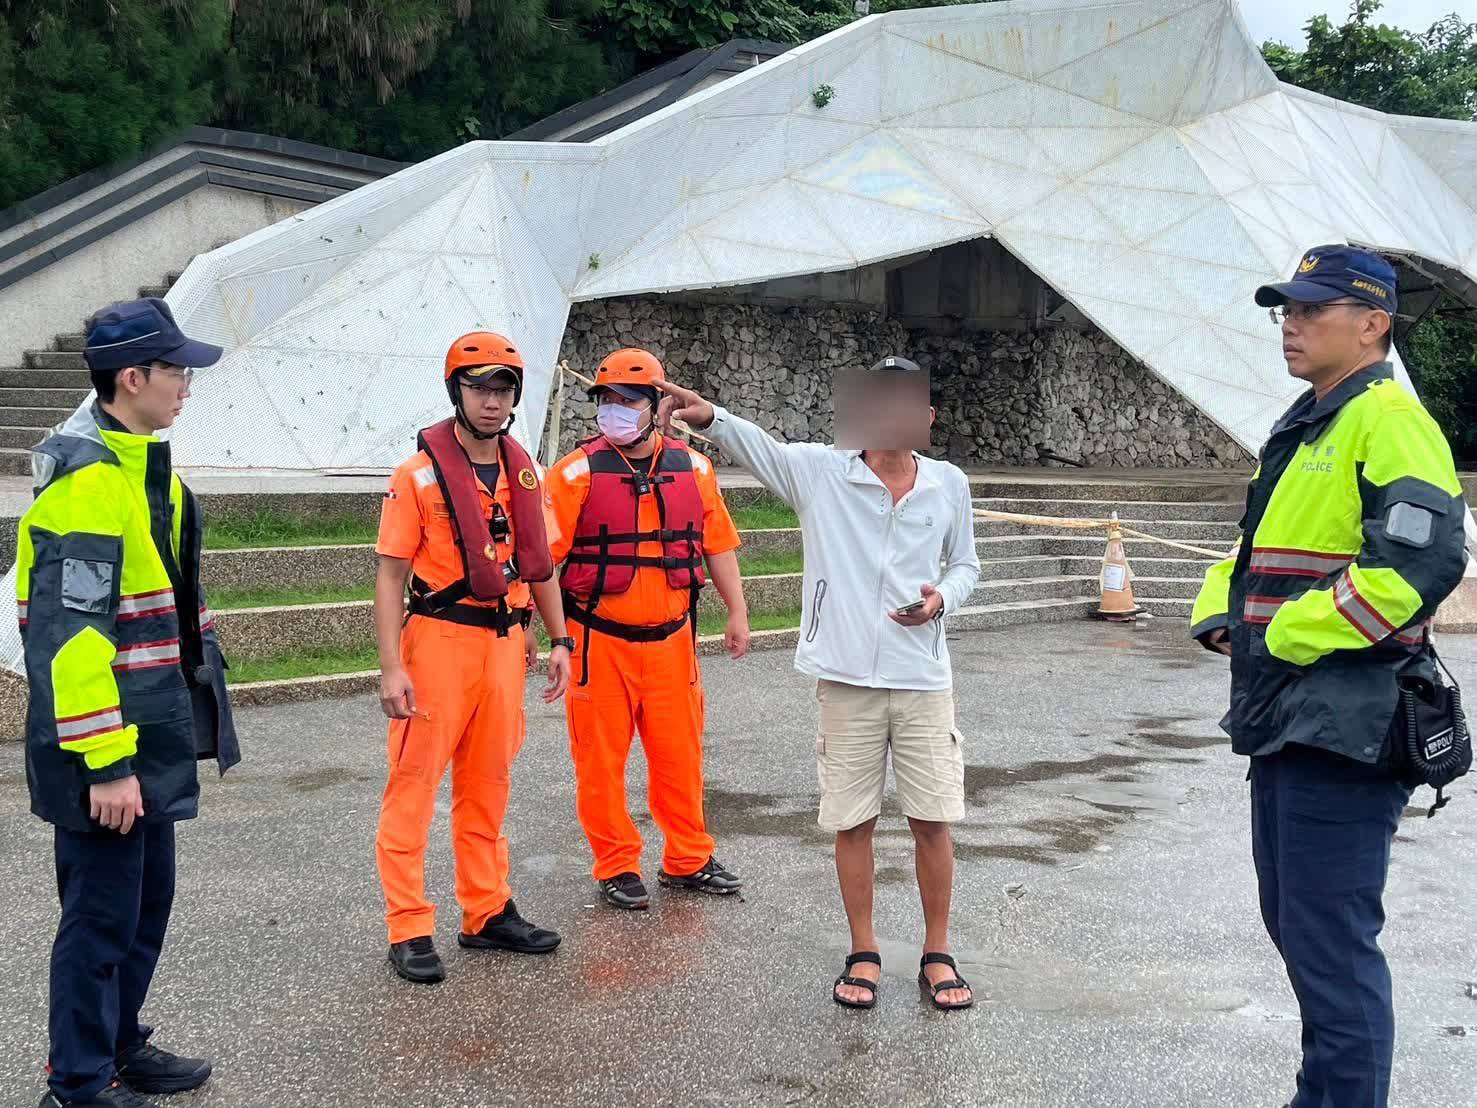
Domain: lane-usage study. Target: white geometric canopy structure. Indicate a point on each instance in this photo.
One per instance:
(1139, 156)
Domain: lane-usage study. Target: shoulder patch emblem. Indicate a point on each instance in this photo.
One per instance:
(527, 479)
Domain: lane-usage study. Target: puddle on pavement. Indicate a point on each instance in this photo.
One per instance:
(310, 781)
(1173, 740)
(763, 814)
(1063, 837)
(979, 779)
(1137, 797)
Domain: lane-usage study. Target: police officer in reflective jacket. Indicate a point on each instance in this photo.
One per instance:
(1353, 535)
(127, 693)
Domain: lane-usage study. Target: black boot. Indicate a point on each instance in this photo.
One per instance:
(145, 1068)
(509, 931)
(115, 1095)
(625, 890)
(416, 960)
(712, 878)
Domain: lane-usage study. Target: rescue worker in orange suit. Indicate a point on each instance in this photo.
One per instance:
(633, 516)
(463, 523)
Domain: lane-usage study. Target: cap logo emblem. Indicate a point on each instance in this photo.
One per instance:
(1309, 264)
(527, 479)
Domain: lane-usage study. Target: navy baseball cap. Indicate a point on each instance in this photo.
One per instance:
(1330, 272)
(137, 332)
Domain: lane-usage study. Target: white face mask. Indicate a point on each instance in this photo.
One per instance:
(621, 425)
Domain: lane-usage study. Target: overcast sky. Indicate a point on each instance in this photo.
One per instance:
(1284, 19)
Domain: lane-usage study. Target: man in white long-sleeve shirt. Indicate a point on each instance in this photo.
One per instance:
(889, 551)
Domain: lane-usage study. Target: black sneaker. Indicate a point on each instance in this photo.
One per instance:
(625, 890)
(416, 960)
(116, 1095)
(509, 931)
(145, 1068)
(712, 878)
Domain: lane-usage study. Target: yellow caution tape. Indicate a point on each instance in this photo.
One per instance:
(1079, 524)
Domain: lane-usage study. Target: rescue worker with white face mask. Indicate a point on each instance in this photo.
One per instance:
(633, 517)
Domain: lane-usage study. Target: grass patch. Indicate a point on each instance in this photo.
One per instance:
(345, 528)
(226, 599)
(761, 565)
(766, 515)
(303, 663)
(276, 529)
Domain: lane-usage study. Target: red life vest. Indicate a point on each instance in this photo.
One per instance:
(483, 576)
(604, 556)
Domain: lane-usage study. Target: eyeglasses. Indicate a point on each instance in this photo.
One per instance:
(492, 392)
(1300, 313)
(181, 374)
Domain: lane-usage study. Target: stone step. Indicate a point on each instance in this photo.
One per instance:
(1212, 488)
(1185, 530)
(23, 438)
(1220, 512)
(1007, 546)
(35, 417)
(25, 378)
(973, 619)
(55, 359)
(41, 398)
(254, 632)
(71, 341)
(1188, 568)
(14, 463)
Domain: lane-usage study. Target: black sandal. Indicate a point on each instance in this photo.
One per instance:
(958, 982)
(870, 957)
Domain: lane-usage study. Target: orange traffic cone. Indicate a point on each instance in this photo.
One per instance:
(1117, 604)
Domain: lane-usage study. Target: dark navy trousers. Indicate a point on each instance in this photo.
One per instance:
(116, 893)
(1321, 830)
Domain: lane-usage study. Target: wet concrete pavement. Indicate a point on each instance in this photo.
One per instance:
(1105, 913)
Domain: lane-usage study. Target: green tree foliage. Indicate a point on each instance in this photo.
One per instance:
(1430, 74)
(85, 83)
(406, 79)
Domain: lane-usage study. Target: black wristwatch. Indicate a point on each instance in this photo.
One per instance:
(567, 642)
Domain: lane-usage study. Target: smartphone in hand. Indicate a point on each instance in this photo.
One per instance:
(912, 609)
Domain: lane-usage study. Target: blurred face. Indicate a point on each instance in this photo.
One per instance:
(488, 402)
(1329, 338)
(154, 394)
(883, 410)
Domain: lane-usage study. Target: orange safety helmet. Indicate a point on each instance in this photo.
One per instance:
(488, 352)
(632, 368)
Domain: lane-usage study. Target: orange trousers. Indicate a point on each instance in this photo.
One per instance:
(469, 681)
(655, 688)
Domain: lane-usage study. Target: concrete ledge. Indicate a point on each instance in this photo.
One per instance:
(288, 567)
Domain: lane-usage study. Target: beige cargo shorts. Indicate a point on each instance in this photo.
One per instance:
(860, 727)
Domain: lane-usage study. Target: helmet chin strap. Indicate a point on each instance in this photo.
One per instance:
(484, 435)
(466, 424)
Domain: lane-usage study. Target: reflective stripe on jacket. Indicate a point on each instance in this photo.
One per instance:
(126, 675)
(1352, 537)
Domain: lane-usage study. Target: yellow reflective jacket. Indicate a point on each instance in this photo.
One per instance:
(126, 675)
(1353, 536)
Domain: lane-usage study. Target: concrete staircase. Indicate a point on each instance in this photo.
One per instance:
(42, 392)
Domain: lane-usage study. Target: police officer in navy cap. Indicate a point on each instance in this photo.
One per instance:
(127, 695)
(1353, 535)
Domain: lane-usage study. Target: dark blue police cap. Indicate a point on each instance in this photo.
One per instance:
(1331, 272)
(137, 332)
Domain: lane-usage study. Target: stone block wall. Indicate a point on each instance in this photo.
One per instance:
(999, 395)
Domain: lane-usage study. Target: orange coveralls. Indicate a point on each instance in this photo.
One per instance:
(655, 688)
(469, 683)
